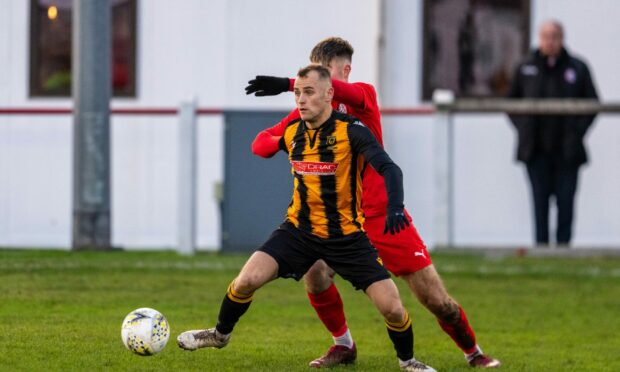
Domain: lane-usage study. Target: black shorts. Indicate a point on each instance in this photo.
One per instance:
(352, 257)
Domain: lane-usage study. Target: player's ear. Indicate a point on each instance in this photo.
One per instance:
(347, 71)
(330, 94)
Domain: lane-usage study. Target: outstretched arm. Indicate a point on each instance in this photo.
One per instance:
(363, 141)
(266, 143)
(351, 94)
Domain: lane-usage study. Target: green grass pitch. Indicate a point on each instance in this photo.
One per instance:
(62, 311)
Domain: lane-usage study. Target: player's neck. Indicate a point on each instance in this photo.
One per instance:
(320, 119)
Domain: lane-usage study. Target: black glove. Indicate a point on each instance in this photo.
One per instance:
(395, 221)
(267, 86)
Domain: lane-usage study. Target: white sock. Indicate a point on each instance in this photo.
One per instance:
(471, 356)
(344, 340)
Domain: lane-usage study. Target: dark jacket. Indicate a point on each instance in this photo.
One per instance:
(561, 136)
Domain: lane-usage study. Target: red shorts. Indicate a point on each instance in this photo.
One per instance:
(402, 253)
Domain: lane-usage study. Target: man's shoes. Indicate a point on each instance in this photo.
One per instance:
(484, 361)
(337, 354)
(413, 365)
(197, 339)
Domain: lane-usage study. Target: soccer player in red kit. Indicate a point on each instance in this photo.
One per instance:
(404, 254)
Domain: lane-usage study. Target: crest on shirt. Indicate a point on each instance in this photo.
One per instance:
(331, 140)
(292, 144)
(529, 70)
(570, 76)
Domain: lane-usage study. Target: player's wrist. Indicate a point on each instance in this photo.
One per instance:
(283, 83)
(395, 209)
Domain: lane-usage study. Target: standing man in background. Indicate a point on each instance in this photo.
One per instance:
(551, 146)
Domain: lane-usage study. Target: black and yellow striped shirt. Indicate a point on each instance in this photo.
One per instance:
(327, 165)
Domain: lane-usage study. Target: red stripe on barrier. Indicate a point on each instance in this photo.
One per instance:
(209, 111)
(35, 111)
(157, 111)
(144, 111)
(422, 110)
(115, 111)
(69, 111)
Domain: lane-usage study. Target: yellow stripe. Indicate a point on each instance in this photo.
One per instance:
(289, 134)
(236, 296)
(231, 289)
(291, 213)
(317, 216)
(343, 157)
(401, 326)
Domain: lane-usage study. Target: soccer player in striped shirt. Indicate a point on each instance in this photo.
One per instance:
(327, 151)
(404, 255)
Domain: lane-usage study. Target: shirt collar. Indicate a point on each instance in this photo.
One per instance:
(330, 121)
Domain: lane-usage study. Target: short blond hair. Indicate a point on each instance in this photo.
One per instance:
(322, 71)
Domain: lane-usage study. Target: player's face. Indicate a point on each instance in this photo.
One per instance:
(550, 40)
(313, 96)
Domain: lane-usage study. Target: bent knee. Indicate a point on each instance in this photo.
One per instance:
(394, 313)
(247, 283)
(319, 278)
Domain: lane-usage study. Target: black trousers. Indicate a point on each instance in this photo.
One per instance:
(551, 177)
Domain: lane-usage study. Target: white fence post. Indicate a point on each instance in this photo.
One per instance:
(187, 178)
(443, 152)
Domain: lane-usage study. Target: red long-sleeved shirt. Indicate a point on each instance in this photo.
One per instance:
(356, 99)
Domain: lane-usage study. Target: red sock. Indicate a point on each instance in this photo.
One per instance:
(329, 308)
(461, 333)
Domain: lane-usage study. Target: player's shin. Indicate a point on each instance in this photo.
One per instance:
(328, 306)
(460, 331)
(233, 307)
(401, 334)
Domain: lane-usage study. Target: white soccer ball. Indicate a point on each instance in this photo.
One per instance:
(145, 331)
